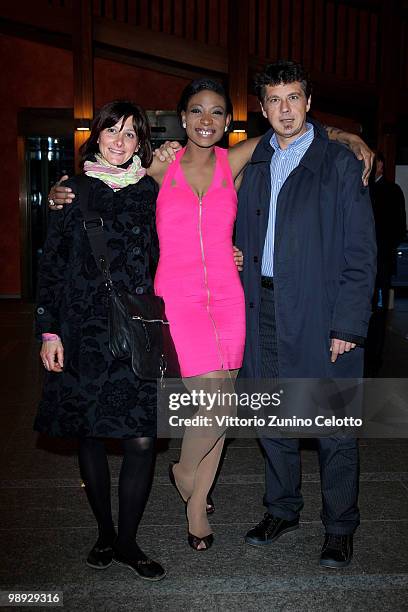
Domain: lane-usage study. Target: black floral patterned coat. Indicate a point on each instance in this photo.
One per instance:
(96, 395)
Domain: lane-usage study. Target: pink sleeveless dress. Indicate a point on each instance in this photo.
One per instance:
(196, 274)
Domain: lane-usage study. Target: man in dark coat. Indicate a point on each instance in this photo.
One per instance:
(306, 228)
(390, 226)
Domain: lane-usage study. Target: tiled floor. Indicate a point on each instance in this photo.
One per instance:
(46, 527)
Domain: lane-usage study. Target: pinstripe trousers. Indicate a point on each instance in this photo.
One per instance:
(338, 455)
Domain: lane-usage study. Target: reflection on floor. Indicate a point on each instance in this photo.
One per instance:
(46, 527)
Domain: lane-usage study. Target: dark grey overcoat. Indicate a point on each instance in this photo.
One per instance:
(324, 259)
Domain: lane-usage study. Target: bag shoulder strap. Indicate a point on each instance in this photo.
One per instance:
(93, 225)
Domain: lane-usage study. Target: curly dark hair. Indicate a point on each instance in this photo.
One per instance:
(109, 115)
(283, 71)
(204, 84)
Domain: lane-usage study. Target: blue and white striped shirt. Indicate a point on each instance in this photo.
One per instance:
(282, 163)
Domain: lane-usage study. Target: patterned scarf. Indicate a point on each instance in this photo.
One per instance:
(114, 176)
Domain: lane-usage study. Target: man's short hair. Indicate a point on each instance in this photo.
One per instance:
(283, 71)
(380, 156)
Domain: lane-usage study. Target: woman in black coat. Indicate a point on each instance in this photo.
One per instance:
(87, 393)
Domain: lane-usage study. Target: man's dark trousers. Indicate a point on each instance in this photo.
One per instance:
(338, 455)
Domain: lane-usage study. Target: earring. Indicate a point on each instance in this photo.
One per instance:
(184, 124)
(226, 128)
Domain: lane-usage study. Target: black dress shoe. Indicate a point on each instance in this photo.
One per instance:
(195, 541)
(270, 529)
(100, 558)
(337, 550)
(145, 568)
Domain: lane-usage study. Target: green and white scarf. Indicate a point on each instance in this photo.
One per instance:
(114, 176)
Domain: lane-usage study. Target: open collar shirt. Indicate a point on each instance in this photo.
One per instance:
(282, 163)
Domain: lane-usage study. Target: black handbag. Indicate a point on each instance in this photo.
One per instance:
(138, 328)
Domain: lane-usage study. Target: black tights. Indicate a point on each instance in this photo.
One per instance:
(134, 485)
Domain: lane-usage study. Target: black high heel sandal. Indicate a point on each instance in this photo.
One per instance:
(195, 541)
(210, 507)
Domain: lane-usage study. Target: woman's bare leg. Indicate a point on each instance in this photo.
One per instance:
(201, 452)
(208, 467)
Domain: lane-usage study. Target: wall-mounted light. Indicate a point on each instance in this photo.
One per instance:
(83, 125)
(239, 127)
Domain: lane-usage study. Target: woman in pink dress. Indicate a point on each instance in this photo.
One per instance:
(199, 282)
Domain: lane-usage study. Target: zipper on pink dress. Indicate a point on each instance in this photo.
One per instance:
(200, 199)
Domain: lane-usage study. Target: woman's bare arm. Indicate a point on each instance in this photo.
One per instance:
(157, 170)
(59, 195)
(357, 146)
(240, 154)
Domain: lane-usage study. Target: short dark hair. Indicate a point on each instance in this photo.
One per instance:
(380, 156)
(204, 84)
(109, 115)
(282, 71)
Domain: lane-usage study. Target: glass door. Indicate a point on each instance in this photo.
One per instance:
(47, 159)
